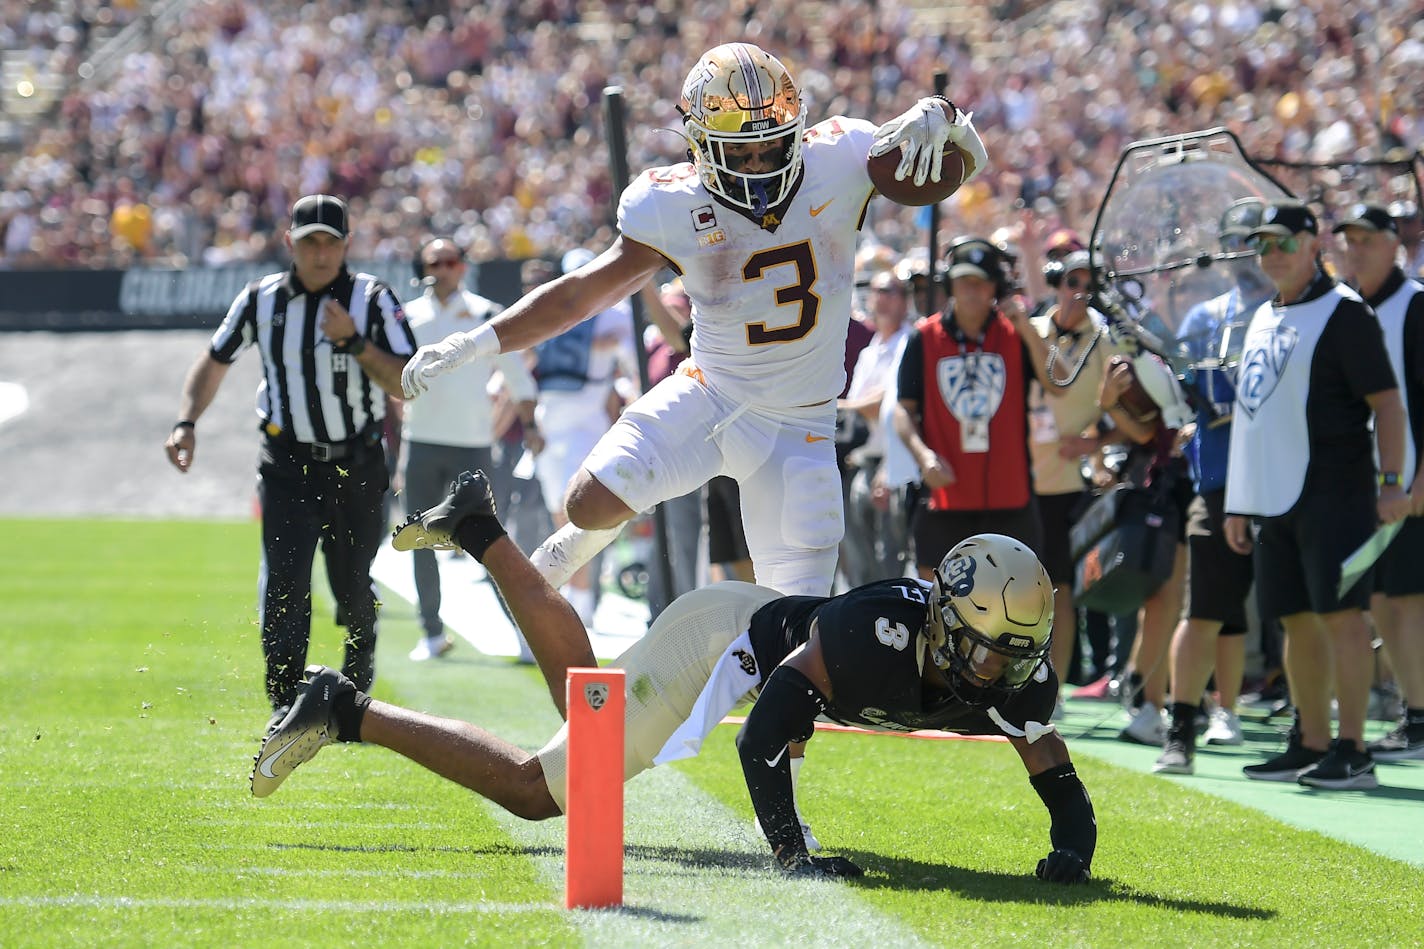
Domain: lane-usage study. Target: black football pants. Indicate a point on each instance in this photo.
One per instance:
(339, 505)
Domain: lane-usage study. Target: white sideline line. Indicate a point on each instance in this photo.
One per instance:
(343, 873)
(278, 824)
(470, 610)
(295, 906)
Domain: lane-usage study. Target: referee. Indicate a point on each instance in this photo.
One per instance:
(333, 345)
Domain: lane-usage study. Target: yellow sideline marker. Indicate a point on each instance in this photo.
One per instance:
(593, 860)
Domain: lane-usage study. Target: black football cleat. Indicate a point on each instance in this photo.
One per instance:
(298, 737)
(434, 529)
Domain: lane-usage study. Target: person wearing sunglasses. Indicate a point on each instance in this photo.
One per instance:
(452, 429)
(1313, 370)
(1371, 239)
(1066, 425)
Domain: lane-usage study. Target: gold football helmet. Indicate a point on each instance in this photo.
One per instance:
(991, 616)
(736, 98)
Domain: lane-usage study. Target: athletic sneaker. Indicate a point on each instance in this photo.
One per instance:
(1224, 728)
(1146, 727)
(431, 647)
(1285, 766)
(1344, 768)
(1404, 743)
(300, 735)
(1176, 758)
(434, 529)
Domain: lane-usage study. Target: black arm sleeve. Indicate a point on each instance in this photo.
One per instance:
(785, 712)
(1074, 826)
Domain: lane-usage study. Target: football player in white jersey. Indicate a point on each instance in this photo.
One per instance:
(761, 224)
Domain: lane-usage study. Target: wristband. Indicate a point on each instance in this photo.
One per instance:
(353, 345)
(1389, 479)
(184, 423)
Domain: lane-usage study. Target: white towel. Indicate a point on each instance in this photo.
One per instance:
(729, 684)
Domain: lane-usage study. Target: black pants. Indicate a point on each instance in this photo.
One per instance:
(339, 505)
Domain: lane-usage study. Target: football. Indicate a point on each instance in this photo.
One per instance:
(951, 176)
(1134, 400)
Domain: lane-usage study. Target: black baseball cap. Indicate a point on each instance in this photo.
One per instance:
(1371, 217)
(319, 212)
(975, 257)
(1285, 218)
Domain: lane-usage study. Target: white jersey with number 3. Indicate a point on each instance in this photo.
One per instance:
(770, 304)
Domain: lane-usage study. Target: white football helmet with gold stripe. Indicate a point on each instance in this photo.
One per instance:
(736, 98)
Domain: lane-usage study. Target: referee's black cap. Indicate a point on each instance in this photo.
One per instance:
(319, 212)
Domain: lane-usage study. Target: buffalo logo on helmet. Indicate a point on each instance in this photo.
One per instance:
(990, 617)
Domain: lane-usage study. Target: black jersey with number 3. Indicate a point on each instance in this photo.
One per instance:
(873, 642)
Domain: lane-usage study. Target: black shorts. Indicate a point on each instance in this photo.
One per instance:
(726, 539)
(1056, 513)
(936, 532)
(1298, 554)
(1400, 570)
(1219, 578)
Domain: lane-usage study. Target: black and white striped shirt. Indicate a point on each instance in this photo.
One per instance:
(308, 389)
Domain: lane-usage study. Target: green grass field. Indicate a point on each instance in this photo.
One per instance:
(132, 672)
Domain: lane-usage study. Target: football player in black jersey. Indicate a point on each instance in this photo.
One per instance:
(965, 653)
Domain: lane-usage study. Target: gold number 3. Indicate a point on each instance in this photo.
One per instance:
(792, 294)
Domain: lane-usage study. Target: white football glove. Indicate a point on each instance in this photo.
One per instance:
(924, 130)
(436, 359)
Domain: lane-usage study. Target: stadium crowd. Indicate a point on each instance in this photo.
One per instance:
(484, 120)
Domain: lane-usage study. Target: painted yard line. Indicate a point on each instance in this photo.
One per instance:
(277, 824)
(342, 872)
(228, 905)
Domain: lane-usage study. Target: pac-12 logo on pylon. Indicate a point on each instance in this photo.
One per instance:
(596, 694)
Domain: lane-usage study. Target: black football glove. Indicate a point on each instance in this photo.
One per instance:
(1063, 866)
(825, 867)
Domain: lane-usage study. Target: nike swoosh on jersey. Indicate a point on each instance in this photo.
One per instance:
(812, 439)
(773, 762)
(817, 210)
(265, 767)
